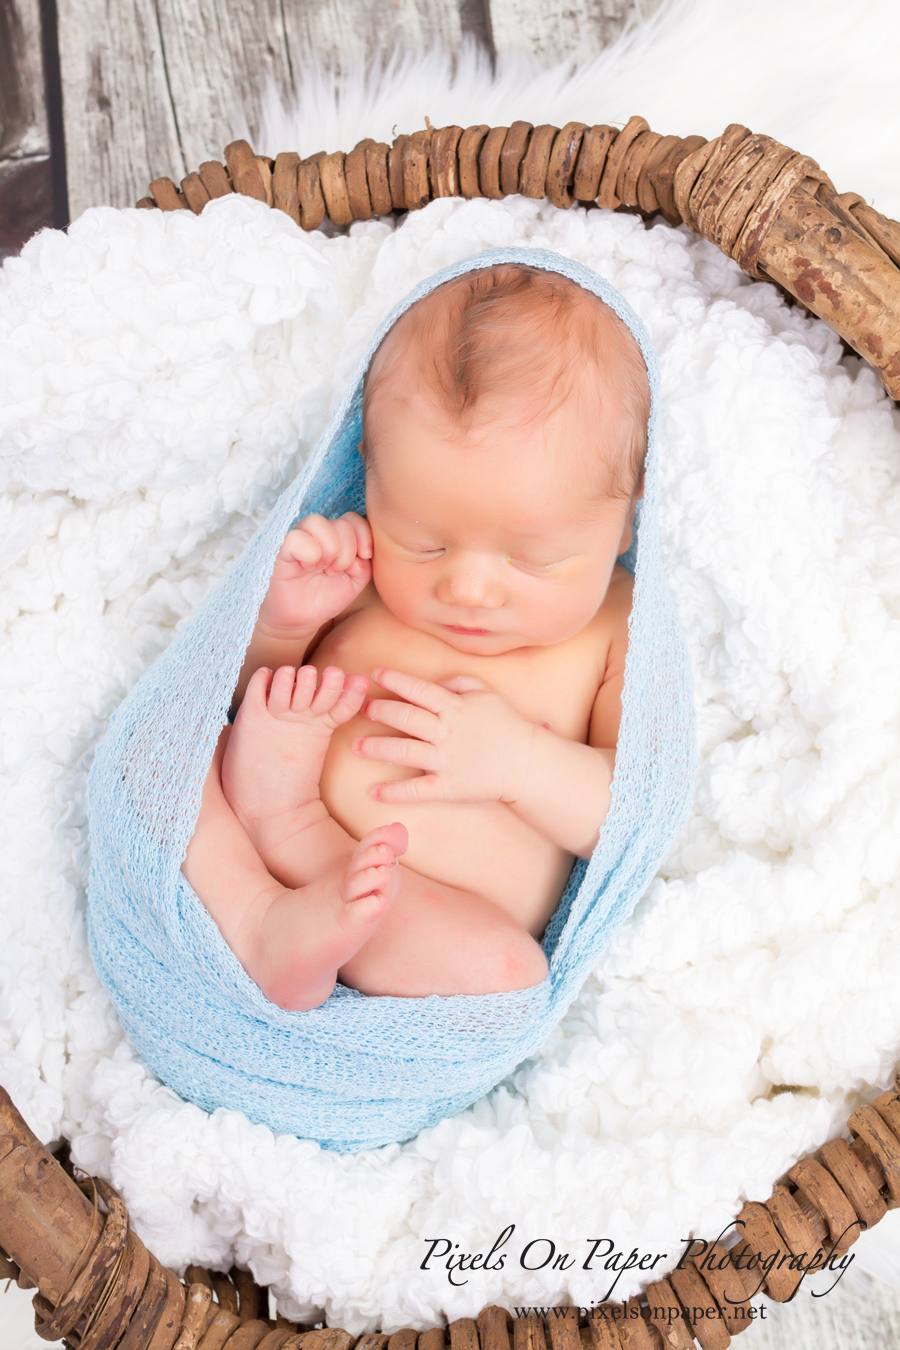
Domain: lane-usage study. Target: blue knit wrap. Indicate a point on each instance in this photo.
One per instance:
(359, 1071)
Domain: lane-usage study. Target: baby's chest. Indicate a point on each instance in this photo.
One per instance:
(555, 686)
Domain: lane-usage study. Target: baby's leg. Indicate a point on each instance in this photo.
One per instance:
(291, 941)
(274, 756)
(439, 940)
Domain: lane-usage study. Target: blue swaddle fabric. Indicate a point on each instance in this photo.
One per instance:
(359, 1071)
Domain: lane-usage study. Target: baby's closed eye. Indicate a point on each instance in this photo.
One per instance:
(537, 565)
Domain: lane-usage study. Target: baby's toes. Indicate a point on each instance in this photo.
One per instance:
(371, 869)
(350, 700)
(368, 881)
(329, 691)
(304, 689)
(254, 701)
(281, 691)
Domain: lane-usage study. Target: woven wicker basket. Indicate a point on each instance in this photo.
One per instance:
(777, 214)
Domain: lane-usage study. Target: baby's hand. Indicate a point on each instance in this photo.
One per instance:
(471, 743)
(322, 566)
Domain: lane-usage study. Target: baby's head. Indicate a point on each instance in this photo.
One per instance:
(504, 433)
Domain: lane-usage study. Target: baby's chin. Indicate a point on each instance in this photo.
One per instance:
(483, 642)
(474, 641)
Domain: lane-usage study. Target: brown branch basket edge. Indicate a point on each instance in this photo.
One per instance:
(100, 1288)
(770, 208)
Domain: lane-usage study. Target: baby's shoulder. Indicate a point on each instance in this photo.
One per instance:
(607, 633)
(615, 613)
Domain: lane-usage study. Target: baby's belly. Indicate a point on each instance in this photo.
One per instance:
(483, 848)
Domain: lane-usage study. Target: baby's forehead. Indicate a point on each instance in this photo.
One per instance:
(543, 308)
(508, 329)
(518, 346)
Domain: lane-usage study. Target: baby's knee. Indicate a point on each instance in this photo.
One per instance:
(516, 962)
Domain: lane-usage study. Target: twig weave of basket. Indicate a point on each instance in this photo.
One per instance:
(770, 208)
(100, 1288)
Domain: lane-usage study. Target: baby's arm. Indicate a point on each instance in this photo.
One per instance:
(321, 568)
(566, 793)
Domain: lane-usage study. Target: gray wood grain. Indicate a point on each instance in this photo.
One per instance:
(26, 200)
(218, 57)
(335, 31)
(120, 119)
(552, 29)
(23, 121)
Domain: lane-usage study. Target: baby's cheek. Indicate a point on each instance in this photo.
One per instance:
(403, 593)
(558, 612)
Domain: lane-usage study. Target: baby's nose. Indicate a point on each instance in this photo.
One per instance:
(470, 586)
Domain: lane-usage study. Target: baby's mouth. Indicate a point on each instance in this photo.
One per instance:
(467, 632)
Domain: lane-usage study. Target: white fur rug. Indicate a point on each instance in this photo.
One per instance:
(818, 75)
(158, 375)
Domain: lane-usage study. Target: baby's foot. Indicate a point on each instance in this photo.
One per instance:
(308, 934)
(277, 746)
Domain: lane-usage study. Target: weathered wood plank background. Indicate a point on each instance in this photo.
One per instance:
(24, 134)
(23, 122)
(147, 84)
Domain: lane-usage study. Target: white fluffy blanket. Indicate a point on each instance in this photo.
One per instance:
(161, 377)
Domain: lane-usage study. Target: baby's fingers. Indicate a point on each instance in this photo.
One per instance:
(363, 533)
(408, 753)
(434, 697)
(302, 547)
(348, 549)
(315, 542)
(426, 788)
(393, 712)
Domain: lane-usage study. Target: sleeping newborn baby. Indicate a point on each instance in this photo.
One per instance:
(440, 681)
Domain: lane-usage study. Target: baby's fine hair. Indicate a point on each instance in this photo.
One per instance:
(513, 330)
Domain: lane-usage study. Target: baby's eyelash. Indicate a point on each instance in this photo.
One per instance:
(533, 566)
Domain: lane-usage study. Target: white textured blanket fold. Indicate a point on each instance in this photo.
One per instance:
(157, 374)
